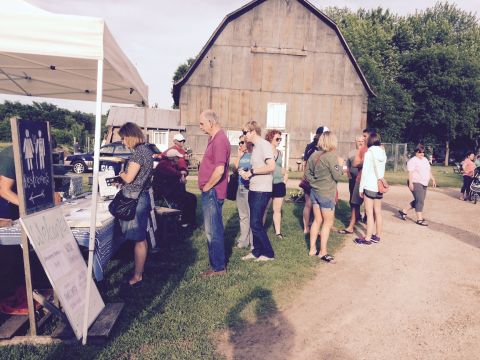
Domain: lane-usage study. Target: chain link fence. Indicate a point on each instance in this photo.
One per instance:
(396, 154)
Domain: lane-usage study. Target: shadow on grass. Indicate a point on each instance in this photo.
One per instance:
(298, 213)
(257, 330)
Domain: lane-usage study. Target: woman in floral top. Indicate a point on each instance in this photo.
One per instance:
(137, 183)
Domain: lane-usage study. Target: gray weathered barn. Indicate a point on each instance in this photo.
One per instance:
(282, 63)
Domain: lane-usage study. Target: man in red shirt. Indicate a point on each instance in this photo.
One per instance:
(212, 181)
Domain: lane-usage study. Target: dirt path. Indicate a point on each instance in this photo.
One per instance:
(416, 295)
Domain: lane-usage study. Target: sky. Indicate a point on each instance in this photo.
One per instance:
(159, 35)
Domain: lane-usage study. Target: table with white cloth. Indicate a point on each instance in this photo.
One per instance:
(77, 214)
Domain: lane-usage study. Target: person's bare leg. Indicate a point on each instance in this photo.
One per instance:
(353, 217)
(370, 219)
(140, 255)
(277, 215)
(306, 214)
(328, 218)
(377, 209)
(419, 215)
(314, 229)
(407, 209)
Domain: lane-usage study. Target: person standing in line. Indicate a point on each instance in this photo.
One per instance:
(468, 167)
(242, 161)
(309, 150)
(358, 163)
(373, 169)
(419, 175)
(324, 170)
(212, 181)
(279, 189)
(355, 198)
(261, 180)
(137, 180)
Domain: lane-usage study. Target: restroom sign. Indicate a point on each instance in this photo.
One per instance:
(32, 149)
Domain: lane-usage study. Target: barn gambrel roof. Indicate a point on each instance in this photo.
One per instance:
(244, 9)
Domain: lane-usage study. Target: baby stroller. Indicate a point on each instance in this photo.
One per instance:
(475, 186)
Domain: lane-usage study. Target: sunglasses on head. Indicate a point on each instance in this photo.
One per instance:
(241, 143)
(181, 140)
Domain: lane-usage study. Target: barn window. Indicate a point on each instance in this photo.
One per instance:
(160, 138)
(233, 136)
(276, 115)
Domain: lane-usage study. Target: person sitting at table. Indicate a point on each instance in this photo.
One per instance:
(169, 184)
(11, 257)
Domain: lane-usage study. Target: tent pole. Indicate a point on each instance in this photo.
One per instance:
(96, 166)
(145, 129)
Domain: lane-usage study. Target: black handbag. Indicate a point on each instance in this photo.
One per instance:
(232, 187)
(122, 207)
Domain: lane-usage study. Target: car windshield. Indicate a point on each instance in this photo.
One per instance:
(122, 149)
(106, 150)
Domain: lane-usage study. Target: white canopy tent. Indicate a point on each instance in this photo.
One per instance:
(66, 57)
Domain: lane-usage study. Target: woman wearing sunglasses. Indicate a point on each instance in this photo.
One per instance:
(242, 161)
(280, 177)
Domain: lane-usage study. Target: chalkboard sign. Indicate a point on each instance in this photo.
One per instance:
(32, 143)
(60, 256)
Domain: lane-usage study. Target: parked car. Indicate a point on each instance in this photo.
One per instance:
(84, 162)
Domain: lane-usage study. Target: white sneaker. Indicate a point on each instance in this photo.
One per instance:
(264, 258)
(249, 256)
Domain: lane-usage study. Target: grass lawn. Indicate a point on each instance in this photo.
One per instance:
(443, 174)
(177, 314)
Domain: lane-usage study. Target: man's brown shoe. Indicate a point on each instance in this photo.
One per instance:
(211, 272)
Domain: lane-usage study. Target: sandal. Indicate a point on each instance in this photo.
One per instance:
(345, 232)
(312, 253)
(280, 236)
(403, 215)
(328, 258)
(421, 222)
(362, 241)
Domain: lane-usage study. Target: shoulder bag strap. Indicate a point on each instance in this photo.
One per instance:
(316, 162)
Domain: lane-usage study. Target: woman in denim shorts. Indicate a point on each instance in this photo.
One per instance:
(137, 183)
(324, 170)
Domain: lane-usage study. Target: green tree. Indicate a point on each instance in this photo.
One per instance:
(369, 35)
(180, 73)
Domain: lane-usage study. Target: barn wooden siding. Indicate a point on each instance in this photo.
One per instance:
(277, 51)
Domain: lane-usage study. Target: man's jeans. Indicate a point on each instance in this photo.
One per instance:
(258, 202)
(212, 217)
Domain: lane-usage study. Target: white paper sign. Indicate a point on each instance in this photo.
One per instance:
(60, 256)
(105, 189)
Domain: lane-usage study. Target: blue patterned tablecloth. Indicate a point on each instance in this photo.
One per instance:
(105, 243)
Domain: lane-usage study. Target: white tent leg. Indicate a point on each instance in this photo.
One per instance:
(96, 166)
